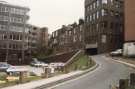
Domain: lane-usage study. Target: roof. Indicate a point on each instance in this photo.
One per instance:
(13, 3)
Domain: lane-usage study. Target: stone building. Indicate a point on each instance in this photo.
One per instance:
(13, 33)
(68, 38)
(104, 24)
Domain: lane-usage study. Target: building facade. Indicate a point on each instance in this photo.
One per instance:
(68, 38)
(34, 39)
(38, 39)
(13, 33)
(129, 21)
(103, 25)
(129, 45)
(44, 36)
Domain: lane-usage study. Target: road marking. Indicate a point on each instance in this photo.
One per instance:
(53, 87)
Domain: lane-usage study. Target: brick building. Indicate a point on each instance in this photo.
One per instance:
(129, 46)
(13, 32)
(103, 25)
(38, 39)
(43, 37)
(129, 21)
(68, 38)
(34, 38)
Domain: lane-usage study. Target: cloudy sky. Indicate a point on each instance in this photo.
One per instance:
(53, 13)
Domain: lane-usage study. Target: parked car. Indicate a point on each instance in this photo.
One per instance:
(4, 66)
(37, 63)
(118, 52)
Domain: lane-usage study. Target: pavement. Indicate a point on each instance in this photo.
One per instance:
(106, 75)
(127, 62)
(38, 83)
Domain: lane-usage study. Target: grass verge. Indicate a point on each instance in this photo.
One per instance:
(82, 62)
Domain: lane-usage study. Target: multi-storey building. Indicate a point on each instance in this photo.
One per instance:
(129, 46)
(68, 38)
(34, 39)
(13, 32)
(38, 39)
(44, 36)
(103, 25)
(129, 21)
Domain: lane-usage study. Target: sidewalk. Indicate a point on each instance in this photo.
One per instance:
(127, 62)
(39, 83)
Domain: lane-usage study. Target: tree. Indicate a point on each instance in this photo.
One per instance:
(81, 21)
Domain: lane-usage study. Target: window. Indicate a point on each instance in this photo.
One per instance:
(104, 12)
(111, 25)
(4, 18)
(98, 3)
(2, 27)
(10, 46)
(5, 37)
(16, 20)
(14, 37)
(97, 14)
(74, 39)
(81, 28)
(87, 18)
(80, 38)
(94, 5)
(4, 9)
(21, 37)
(94, 16)
(104, 24)
(11, 36)
(97, 26)
(74, 31)
(17, 11)
(112, 2)
(70, 33)
(104, 1)
(56, 33)
(90, 7)
(103, 38)
(90, 18)
(16, 28)
(17, 37)
(4, 45)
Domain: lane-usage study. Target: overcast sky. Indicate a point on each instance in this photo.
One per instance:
(53, 13)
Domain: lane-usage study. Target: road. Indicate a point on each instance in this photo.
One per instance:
(108, 72)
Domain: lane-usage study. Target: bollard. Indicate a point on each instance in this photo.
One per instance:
(46, 72)
(21, 77)
(123, 83)
(132, 79)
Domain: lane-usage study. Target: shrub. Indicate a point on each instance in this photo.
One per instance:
(3, 76)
